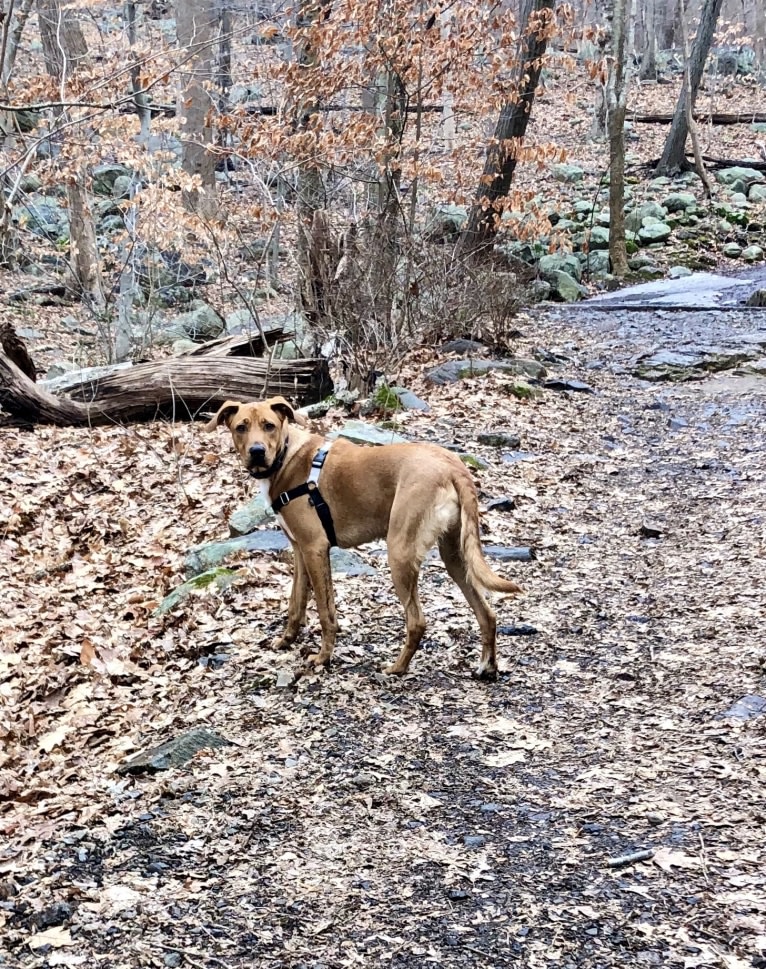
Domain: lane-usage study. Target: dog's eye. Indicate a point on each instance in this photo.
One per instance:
(268, 426)
(241, 428)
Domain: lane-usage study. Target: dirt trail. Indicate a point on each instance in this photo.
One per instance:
(438, 820)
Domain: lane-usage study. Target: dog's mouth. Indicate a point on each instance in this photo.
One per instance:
(258, 467)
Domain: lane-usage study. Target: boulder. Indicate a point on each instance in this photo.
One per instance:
(757, 193)
(677, 272)
(656, 232)
(104, 176)
(635, 218)
(598, 238)
(679, 201)
(752, 254)
(739, 179)
(732, 250)
(446, 222)
(565, 288)
(454, 370)
(563, 172)
(201, 323)
(597, 262)
(564, 262)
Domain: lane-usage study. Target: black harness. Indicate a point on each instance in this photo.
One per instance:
(315, 498)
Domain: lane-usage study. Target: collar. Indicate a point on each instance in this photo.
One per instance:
(276, 465)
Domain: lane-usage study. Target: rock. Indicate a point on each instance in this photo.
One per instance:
(739, 178)
(284, 679)
(174, 753)
(655, 232)
(567, 173)
(518, 629)
(361, 432)
(752, 254)
(499, 439)
(505, 503)
(104, 176)
(564, 288)
(677, 272)
(247, 518)
(446, 222)
(180, 348)
(574, 385)
(521, 390)
(410, 401)
(538, 291)
(640, 260)
(758, 298)
(650, 530)
(650, 272)
(739, 200)
(201, 323)
(202, 580)
(472, 461)
(757, 193)
(582, 207)
(454, 370)
(122, 187)
(564, 262)
(635, 218)
(513, 457)
(691, 364)
(463, 346)
(474, 841)
(505, 553)
(44, 216)
(598, 238)
(204, 559)
(597, 262)
(679, 201)
(344, 561)
(732, 250)
(749, 706)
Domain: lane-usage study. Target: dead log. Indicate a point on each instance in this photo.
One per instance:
(716, 118)
(243, 345)
(179, 388)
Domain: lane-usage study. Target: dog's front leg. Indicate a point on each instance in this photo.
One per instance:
(296, 611)
(317, 562)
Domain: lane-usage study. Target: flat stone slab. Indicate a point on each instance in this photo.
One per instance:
(174, 753)
(749, 706)
(699, 291)
(453, 370)
(362, 433)
(509, 553)
(693, 363)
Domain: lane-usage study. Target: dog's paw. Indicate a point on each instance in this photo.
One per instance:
(394, 670)
(283, 642)
(486, 673)
(317, 660)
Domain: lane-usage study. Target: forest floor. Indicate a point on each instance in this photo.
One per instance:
(358, 820)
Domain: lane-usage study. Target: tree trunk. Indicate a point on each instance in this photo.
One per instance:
(83, 250)
(179, 388)
(649, 58)
(500, 164)
(673, 154)
(670, 25)
(616, 97)
(603, 20)
(140, 99)
(62, 38)
(13, 28)
(197, 28)
(759, 33)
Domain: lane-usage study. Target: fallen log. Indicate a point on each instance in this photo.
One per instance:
(179, 388)
(716, 118)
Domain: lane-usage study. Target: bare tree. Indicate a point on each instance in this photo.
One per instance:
(197, 24)
(64, 48)
(500, 164)
(649, 56)
(616, 99)
(674, 153)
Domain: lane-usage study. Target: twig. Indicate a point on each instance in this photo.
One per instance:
(643, 855)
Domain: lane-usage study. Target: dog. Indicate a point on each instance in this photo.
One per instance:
(413, 495)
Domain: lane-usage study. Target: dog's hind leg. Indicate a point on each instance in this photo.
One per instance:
(405, 572)
(296, 611)
(450, 551)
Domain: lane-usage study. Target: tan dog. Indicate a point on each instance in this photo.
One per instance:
(413, 495)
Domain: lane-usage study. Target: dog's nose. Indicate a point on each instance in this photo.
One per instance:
(257, 454)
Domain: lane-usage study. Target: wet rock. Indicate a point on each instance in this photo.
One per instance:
(360, 432)
(746, 708)
(752, 254)
(576, 386)
(499, 439)
(656, 232)
(454, 370)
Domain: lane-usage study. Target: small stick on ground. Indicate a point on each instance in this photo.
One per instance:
(643, 855)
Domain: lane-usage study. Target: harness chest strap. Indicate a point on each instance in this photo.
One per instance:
(316, 500)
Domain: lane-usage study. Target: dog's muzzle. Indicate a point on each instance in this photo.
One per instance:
(256, 461)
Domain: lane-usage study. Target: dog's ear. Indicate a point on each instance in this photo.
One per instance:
(224, 413)
(283, 407)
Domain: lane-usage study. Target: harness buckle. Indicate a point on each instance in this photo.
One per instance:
(281, 500)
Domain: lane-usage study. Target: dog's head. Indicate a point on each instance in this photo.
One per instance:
(259, 430)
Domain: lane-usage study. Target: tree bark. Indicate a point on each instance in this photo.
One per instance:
(179, 388)
(197, 27)
(62, 38)
(673, 155)
(649, 58)
(616, 98)
(718, 118)
(500, 164)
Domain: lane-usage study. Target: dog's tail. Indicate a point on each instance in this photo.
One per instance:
(470, 540)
